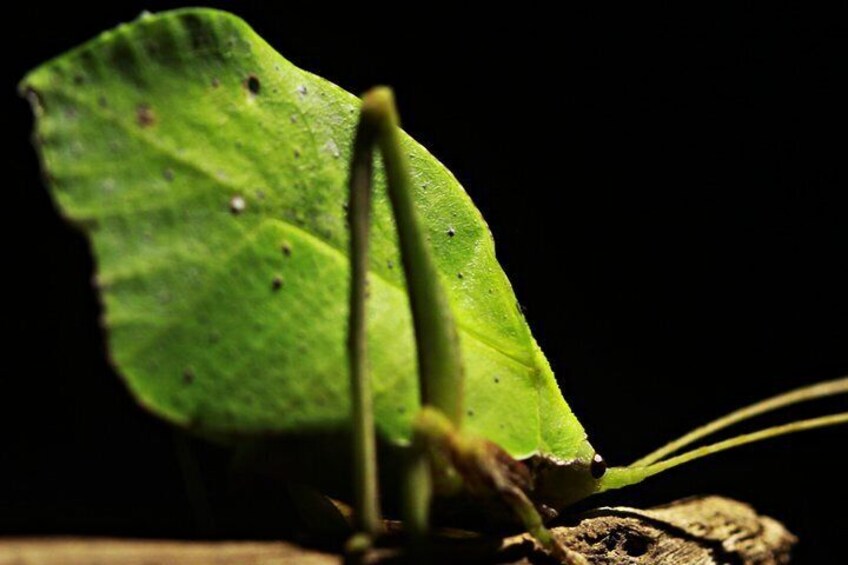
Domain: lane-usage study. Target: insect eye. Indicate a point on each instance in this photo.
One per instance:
(598, 466)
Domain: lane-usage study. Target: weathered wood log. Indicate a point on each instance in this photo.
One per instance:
(707, 530)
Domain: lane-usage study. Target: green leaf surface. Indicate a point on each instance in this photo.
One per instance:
(210, 175)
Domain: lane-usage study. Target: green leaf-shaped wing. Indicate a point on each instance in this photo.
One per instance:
(210, 174)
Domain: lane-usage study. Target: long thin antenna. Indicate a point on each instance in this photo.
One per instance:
(803, 394)
(617, 477)
(793, 427)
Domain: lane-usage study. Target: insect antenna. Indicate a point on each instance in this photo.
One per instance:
(659, 460)
(775, 431)
(803, 394)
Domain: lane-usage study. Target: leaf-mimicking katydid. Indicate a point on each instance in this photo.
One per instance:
(230, 229)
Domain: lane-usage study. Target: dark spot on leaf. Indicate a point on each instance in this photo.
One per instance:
(390, 265)
(635, 545)
(252, 84)
(459, 275)
(401, 409)
(598, 466)
(297, 153)
(470, 413)
(451, 232)
(188, 376)
(168, 174)
(302, 90)
(215, 82)
(497, 380)
(102, 102)
(144, 115)
(201, 34)
(277, 283)
(79, 79)
(286, 249)
(237, 205)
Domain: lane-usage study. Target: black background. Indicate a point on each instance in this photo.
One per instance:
(666, 191)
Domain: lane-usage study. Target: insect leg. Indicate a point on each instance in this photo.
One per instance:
(440, 373)
(366, 497)
(485, 469)
(439, 449)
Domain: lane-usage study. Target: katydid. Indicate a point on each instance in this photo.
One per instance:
(211, 177)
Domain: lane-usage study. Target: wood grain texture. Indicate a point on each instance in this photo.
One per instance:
(99, 551)
(708, 530)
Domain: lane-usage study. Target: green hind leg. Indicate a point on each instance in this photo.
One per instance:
(366, 497)
(440, 455)
(437, 344)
